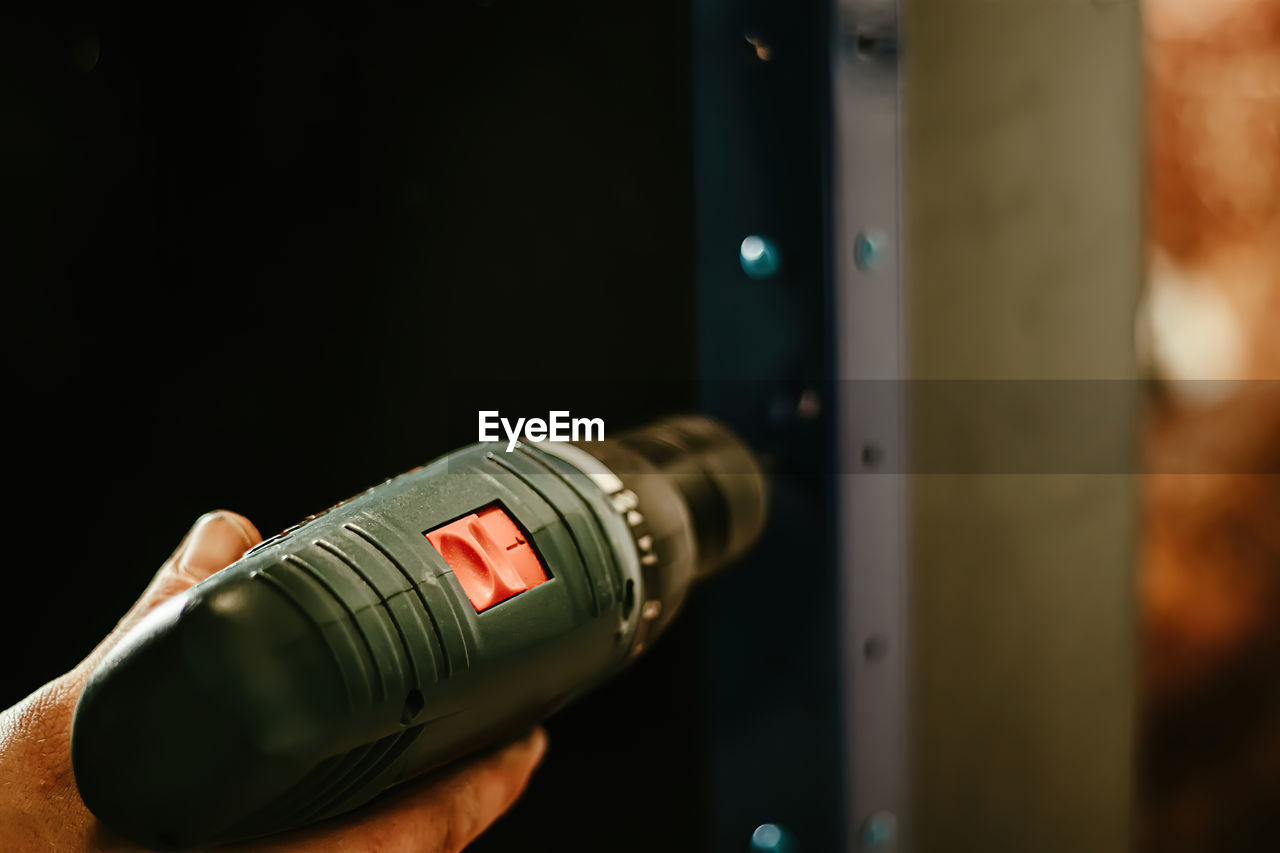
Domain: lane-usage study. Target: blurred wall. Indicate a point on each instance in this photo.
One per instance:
(1022, 177)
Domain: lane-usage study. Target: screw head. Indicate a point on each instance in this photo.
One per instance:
(879, 830)
(772, 838)
(875, 648)
(869, 249)
(759, 257)
(872, 455)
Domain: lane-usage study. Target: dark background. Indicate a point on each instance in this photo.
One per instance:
(261, 258)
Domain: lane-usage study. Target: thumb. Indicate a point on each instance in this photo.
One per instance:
(215, 541)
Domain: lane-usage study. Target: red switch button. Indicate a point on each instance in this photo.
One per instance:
(489, 556)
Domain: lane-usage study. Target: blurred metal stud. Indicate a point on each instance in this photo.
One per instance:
(879, 831)
(810, 405)
(762, 49)
(869, 249)
(787, 407)
(772, 838)
(875, 648)
(760, 258)
(872, 455)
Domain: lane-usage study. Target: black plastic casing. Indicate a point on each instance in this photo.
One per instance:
(343, 656)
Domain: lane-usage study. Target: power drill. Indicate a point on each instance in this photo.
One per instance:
(441, 611)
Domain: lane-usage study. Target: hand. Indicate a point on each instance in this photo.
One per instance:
(40, 808)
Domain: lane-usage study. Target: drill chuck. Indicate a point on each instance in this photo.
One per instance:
(438, 612)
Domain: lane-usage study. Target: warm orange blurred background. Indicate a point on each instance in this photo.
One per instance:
(1210, 766)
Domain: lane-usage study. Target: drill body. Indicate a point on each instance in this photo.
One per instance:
(438, 612)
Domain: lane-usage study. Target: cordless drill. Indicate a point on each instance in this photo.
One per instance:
(441, 611)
